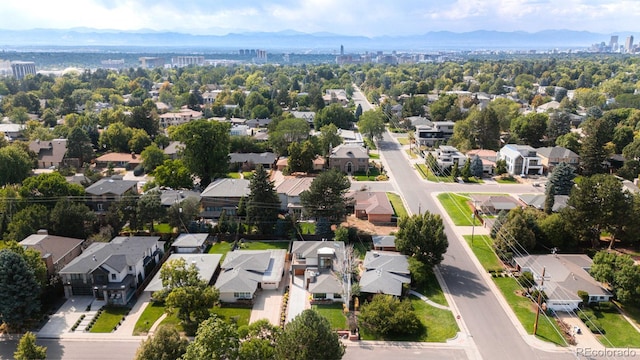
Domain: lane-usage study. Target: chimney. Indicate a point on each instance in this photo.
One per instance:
(42, 232)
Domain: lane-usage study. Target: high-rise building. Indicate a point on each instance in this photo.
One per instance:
(21, 69)
(149, 62)
(613, 43)
(628, 45)
(341, 50)
(181, 61)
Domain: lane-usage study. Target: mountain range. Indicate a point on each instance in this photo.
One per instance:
(290, 40)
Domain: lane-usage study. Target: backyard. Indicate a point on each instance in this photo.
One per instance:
(224, 247)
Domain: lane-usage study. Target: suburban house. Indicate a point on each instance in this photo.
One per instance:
(384, 242)
(309, 116)
(112, 271)
(191, 243)
(493, 204)
(318, 163)
(335, 96)
(564, 276)
(245, 271)
(447, 155)
(129, 161)
(258, 123)
(223, 194)
(551, 105)
(373, 206)
(173, 149)
(208, 266)
(107, 190)
(537, 201)
(552, 156)
(351, 137)
(169, 197)
(289, 191)
(178, 118)
(12, 131)
(488, 158)
(50, 153)
(239, 160)
(434, 132)
(316, 262)
(349, 158)
(384, 272)
(521, 159)
(55, 251)
(239, 130)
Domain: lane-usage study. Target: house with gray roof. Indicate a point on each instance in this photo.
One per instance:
(384, 272)
(173, 149)
(191, 243)
(50, 153)
(537, 201)
(564, 276)
(208, 266)
(169, 197)
(349, 158)
(384, 242)
(56, 251)
(317, 262)
(289, 191)
(493, 204)
(554, 155)
(243, 272)
(223, 194)
(266, 159)
(108, 190)
(112, 271)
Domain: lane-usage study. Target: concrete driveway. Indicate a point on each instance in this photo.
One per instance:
(61, 322)
(267, 305)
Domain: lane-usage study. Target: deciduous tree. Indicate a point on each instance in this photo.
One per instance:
(371, 124)
(215, 339)
(422, 236)
(387, 315)
(309, 337)
(173, 174)
(325, 197)
(15, 165)
(165, 344)
(152, 157)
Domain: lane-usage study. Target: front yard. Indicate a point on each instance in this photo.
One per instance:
(334, 313)
(618, 333)
(109, 318)
(396, 203)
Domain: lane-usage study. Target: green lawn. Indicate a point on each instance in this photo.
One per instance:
(632, 311)
(507, 180)
(333, 313)
(248, 175)
(396, 203)
(370, 144)
(240, 316)
(482, 247)
(411, 154)
(362, 176)
(458, 209)
(375, 156)
(525, 311)
(403, 140)
(259, 245)
(361, 249)
(108, 319)
(431, 289)
(618, 332)
(427, 174)
(222, 248)
(438, 325)
(234, 175)
(163, 228)
(307, 227)
(149, 316)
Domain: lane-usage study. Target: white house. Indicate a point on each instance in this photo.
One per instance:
(191, 243)
(521, 160)
(447, 155)
(245, 271)
(434, 132)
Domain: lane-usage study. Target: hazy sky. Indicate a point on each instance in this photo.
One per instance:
(348, 17)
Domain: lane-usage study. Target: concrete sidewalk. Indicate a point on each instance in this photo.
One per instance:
(129, 323)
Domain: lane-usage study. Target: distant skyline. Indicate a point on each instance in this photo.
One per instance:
(346, 17)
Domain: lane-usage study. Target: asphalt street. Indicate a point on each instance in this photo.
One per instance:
(80, 349)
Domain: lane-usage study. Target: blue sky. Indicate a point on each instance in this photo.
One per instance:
(348, 17)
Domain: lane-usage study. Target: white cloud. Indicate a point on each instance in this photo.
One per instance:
(358, 17)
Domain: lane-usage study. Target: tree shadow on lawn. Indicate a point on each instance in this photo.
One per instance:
(462, 282)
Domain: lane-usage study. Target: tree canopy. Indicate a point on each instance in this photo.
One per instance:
(371, 124)
(325, 197)
(309, 337)
(263, 204)
(165, 344)
(20, 301)
(422, 236)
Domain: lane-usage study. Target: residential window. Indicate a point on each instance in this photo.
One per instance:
(337, 296)
(320, 296)
(242, 295)
(130, 268)
(99, 207)
(113, 276)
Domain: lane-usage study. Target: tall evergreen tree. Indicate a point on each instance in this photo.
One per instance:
(20, 300)
(476, 167)
(263, 204)
(325, 197)
(561, 179)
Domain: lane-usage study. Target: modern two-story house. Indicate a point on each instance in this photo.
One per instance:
(108, 190)
(112, 271)
(223, 195)
(521, 159)
(317, 262)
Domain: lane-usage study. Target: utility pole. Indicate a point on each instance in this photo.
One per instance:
(473, 222)
(535, 324)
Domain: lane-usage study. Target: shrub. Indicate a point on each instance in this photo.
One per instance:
(584, 296)
(138, 171)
